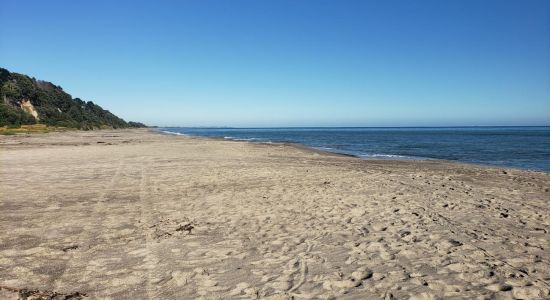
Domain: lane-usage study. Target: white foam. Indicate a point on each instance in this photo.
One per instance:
(173, 133)
(391, 156)
(239, 139)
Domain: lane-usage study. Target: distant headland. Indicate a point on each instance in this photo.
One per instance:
(29, 101)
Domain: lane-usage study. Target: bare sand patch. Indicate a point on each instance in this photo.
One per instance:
(132, 214)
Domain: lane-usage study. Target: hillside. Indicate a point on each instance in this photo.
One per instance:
(25, 100)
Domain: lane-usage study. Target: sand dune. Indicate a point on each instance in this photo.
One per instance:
(140, 215)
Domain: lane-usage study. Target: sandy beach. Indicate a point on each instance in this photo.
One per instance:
(134, 214)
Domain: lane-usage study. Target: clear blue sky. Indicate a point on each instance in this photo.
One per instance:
(291, 63)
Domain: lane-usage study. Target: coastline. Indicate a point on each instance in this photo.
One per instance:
(368, 158)
(134, 213)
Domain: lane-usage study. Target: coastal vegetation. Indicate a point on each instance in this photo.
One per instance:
(28, 101)
(36, 128)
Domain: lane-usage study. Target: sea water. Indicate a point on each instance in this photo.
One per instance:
(517, 147)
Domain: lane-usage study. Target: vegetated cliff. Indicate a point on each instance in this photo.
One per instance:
(25, 100)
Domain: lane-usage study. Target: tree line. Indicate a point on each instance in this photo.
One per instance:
(54, 106)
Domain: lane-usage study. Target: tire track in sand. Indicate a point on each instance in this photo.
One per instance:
(146, 219)
(92, 236)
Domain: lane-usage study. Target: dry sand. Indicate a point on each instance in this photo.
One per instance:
(140, 215)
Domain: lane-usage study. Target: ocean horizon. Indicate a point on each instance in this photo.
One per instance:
(521, 147)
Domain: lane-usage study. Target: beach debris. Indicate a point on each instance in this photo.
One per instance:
(166, 228)
(28, 294)
(160, 234)
(187, 227)
(69, 248)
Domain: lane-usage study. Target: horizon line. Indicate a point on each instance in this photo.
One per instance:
(289, 127)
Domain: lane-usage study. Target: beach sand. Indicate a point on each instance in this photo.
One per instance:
(134, 214)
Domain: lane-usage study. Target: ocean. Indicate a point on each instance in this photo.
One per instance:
(516, 147)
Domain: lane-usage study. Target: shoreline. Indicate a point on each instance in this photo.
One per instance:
(133, 213)
(328, 152)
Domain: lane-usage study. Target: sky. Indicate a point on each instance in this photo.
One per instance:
(291, 63)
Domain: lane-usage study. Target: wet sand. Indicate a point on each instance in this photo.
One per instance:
(133, 214)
